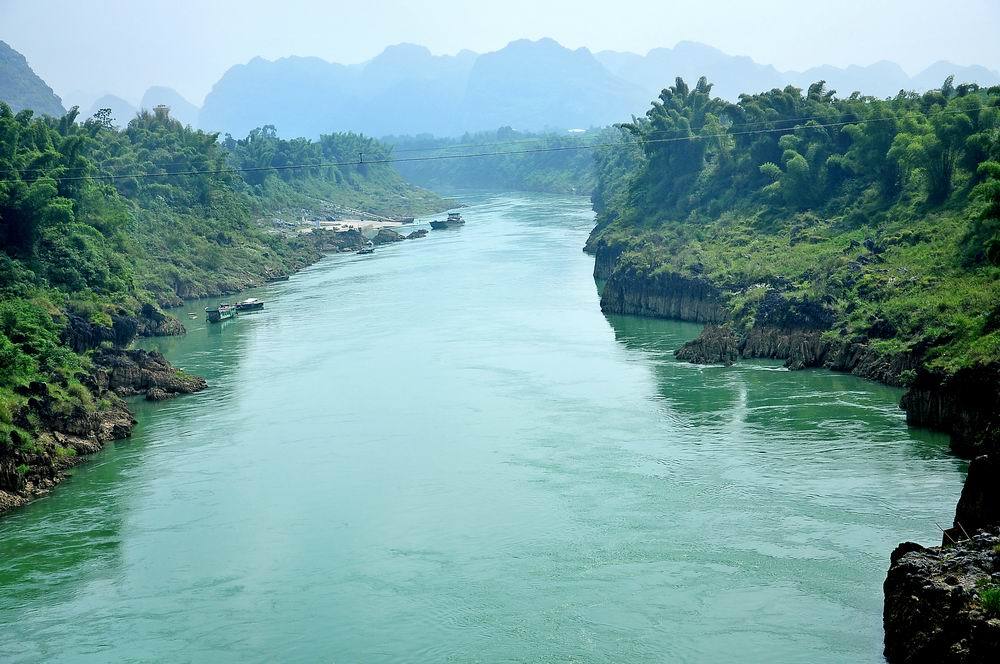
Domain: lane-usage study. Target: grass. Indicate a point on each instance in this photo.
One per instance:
(989, 597)
(914, 292)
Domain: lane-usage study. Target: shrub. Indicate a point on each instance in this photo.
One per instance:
(989, 597)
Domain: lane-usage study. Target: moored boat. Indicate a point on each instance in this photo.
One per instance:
(220, 313)
(250, 304)
(454, 219)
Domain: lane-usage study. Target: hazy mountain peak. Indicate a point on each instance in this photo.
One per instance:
(21, 87)
(180, 108)
(122, 111)
(404, 50)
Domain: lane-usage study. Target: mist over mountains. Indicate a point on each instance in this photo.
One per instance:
(527, 85)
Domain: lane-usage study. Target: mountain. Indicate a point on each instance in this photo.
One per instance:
(937, 72)
(301, 96)
(407, 90)
(21, 87)
(732, 75)
(527, 85)
(180, 108)
(535, 85)
(882, 79)
(121, 111)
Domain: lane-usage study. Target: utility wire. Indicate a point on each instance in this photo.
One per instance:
(391, 160)
(535, 139)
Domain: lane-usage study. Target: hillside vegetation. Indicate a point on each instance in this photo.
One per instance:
(502, 160)
(875, 222)
(86, 262)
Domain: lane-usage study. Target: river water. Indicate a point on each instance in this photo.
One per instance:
(445, 452)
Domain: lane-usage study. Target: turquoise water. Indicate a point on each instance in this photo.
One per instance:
(445, 452)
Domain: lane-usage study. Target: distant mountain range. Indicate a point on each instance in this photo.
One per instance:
(733, 75)
(528, 85)
(21, 88)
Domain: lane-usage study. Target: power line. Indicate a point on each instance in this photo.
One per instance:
(536, 139)
(551, 149)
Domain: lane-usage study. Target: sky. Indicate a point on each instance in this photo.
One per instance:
(125, 46)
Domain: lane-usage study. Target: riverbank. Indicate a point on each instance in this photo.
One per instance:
(68, 434)
(934, 608)
(354, 480)
(772, 321)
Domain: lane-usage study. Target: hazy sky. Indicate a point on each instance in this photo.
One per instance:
(124, 46)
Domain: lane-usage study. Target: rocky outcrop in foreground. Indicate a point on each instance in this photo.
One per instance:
(131, 372)
(30, 469)
(942, 604)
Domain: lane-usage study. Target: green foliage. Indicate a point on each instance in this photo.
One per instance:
(989, 597)
(73, 246)
(504, 159)
(884, 212)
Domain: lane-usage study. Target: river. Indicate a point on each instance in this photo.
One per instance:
(445, 452)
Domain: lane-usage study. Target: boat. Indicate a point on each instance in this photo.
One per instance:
(220, 313)
(250, 304)
(367, 249)
(192, 314)
(279, 277)
(454, 219)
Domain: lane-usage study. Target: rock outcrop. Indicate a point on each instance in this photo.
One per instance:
(67, 434)
(132, 372)
(29, 469)
(419, 233)
(605, 256)
(966, 404)
(664, 295)
(155, 323)
(938, 605)
(386, 236)
(937, 602)
(979, 506)
(717, 344)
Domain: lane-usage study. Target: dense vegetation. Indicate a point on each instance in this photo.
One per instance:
(511, 160)
(78, 249)
(885, 213)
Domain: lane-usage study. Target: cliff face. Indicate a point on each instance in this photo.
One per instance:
(664, 295)
(937, 609)
(798, 331)
(966, 404)
(605, 256)
(942, 604)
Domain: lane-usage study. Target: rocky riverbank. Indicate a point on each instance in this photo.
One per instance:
(803, 333)
(942, 604)
(67, 436)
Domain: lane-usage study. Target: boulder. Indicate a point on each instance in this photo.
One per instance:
(934, 611)
(386, 236)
